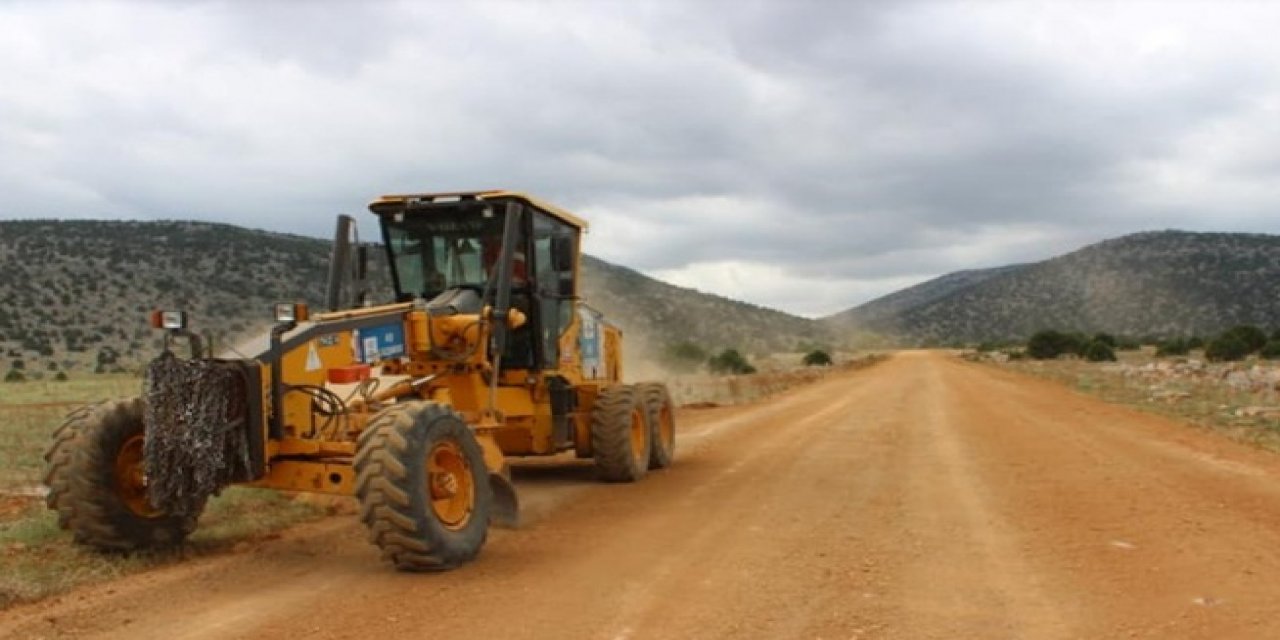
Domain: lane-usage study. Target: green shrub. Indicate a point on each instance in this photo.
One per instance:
(1127, 344)
(730, 361)
(684, 357)
(1099, 351)
(1227, 347)
(1049, 344)
(817, 358)
(1252, 337)
(1271, 351)
(1104, 338)
(14, 376)
(1195, 342)
(1173, 347)
(60, 377)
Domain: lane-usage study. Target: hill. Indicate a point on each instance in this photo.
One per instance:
(886, 308)
(75, 294)
(1161, 283)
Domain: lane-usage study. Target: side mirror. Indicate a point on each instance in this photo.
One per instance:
(562, 253)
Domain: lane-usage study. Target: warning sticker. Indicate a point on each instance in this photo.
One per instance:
(313, 358)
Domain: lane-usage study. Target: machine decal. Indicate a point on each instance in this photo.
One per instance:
(589, 343)
(381, 343)
(313, 358)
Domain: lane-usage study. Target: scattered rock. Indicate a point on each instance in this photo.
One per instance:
(1257, 412)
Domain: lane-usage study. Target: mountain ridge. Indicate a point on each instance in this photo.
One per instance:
(1167, 282)
(76, 293)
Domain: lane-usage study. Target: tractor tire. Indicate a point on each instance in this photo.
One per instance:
(96, 481)
(661, 414)
(423, 487)
(620, 435)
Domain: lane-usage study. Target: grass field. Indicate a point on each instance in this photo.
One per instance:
(1205, 400)
(37, 559)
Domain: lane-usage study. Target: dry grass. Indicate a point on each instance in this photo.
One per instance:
(705, 389)
(1203, 401)
(37, 559)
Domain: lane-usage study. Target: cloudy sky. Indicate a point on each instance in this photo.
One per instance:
(804, 156)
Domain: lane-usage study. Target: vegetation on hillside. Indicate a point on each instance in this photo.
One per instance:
(1163, 284)
(76, 294)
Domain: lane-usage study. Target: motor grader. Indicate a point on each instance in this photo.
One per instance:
(414, 407)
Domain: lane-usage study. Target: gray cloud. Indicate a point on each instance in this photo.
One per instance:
(806, 156)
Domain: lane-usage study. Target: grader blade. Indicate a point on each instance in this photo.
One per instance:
(506, 507)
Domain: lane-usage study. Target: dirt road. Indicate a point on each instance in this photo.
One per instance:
(922, 498)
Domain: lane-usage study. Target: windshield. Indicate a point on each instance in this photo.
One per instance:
(437, 250)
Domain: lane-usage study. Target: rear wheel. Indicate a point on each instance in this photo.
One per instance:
(620, 435)
(662, 423)
(98, 485)
(423, 487)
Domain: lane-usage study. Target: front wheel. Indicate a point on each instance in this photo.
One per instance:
(423, 487)
(97, 482)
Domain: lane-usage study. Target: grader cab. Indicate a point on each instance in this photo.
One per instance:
(414, 407)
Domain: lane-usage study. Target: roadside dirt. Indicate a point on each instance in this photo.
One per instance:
(921, 498)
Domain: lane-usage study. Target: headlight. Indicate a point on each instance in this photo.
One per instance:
(290, 312)
(169, 319)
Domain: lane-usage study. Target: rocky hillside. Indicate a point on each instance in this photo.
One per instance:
(75, 294)
(1162, 283)
(886, 308)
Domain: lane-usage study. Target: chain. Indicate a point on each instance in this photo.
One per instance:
(195, 425)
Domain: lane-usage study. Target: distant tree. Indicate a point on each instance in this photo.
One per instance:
(61, 376)
(1127, 344)
(1172, 347)
(1252, 337)
(684, 357)
(1195, 342)
(817, 358)
(1099, 351)
(1271, 351)
(1105, 338)
(1049, 344)
(730, 361)
(14, 376)
(1227, 347)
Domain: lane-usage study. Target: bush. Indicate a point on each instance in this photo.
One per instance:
(1127, 344)
(61, 376)
(14, 376)
(1099, 351)
(1104, 338)
(1195, 342)
(1173, 347)
(1049, 344)
(1227, 347)
(1271, 351)
(684, 357)
(817, 358)
(1252, 337)
(730, 362)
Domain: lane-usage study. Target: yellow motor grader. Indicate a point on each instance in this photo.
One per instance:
(414, 407)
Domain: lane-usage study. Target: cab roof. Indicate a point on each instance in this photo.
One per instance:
(394, 202)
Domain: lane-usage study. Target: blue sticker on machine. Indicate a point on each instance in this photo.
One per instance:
(382, 343)
(589, 340)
